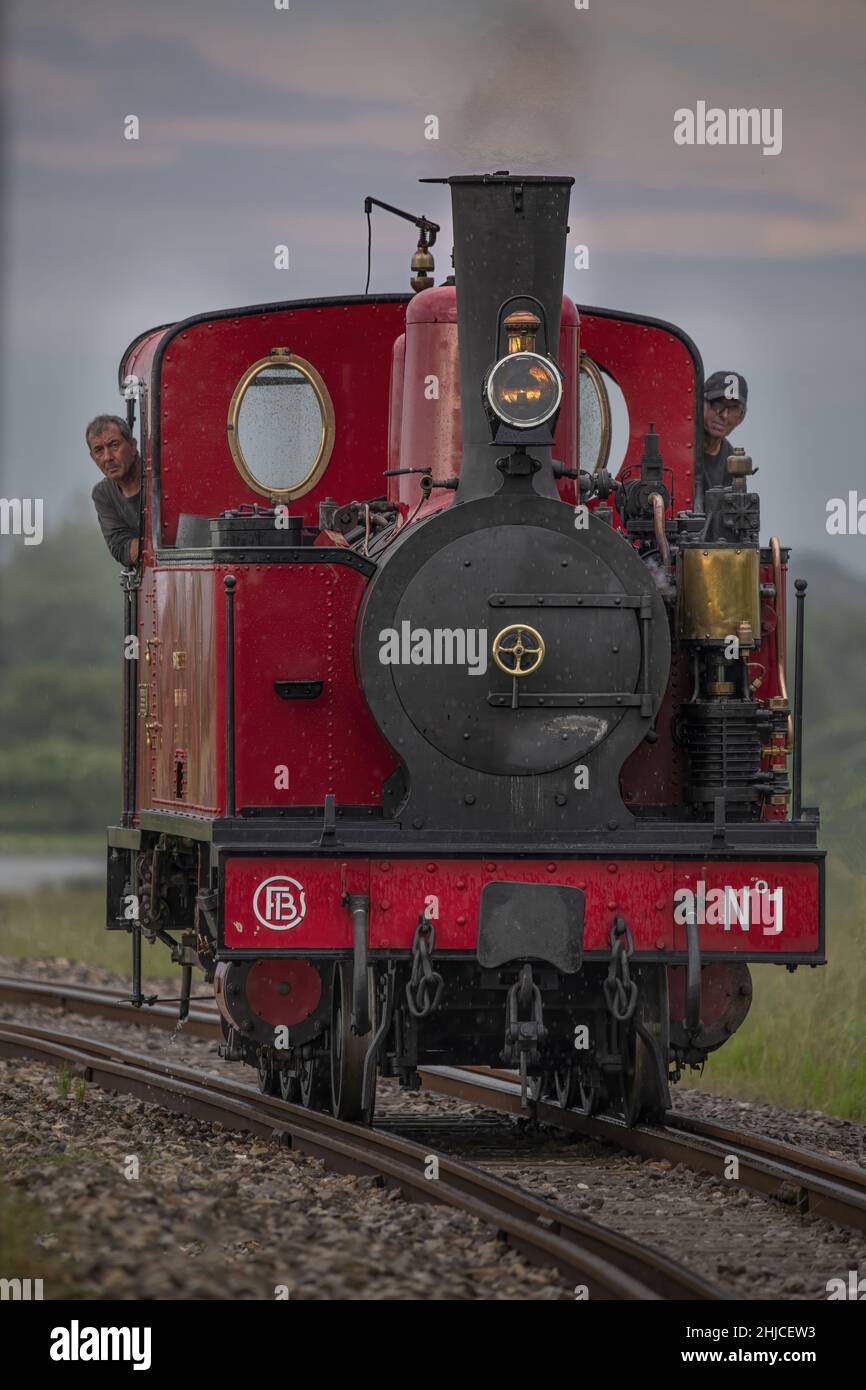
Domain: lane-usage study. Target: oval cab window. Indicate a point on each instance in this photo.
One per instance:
(281, 426)
(604, 422)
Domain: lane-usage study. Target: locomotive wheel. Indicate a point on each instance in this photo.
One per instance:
(267, 1075)
(348, 1050)
(591, 1092)
(644, 1084)
(313, 1083)
(288, 1086)
(565, 1085)
(538, 1086)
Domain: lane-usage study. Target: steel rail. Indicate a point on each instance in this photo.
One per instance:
(611, 1265)
(810, 1182)
(807, 1181)
(203, 1018)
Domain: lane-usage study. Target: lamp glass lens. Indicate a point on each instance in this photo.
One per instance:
(524, 389)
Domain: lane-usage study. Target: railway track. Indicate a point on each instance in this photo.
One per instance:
(607, 1264)
(808, 1182)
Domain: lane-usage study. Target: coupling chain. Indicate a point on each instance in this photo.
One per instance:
(620, 990)
(425, 985)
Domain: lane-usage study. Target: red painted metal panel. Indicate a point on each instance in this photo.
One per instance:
(287, 903)
(401, 889)
(183, 665)
(763, 906)
(350, 346)
(644, 891)
(296, 623)
(656, 373)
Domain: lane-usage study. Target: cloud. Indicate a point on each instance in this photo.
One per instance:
(546, 88)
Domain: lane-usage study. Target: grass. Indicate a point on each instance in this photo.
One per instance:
(22, 1225)
(91, 843)
(69, 922)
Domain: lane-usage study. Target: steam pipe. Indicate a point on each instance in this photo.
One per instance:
(659, 524)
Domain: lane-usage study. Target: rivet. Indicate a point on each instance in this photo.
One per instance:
(490, 868)
(431, 868)
(461, 921)
(384, 866)
(469, 799)
(611, 868)
(611, 907)
(551, 868)
(383, 907)
(660, 945)
(560, 799)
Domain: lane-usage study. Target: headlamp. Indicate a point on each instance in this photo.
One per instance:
(523, 390)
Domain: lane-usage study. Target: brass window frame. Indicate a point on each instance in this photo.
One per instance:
(594, 372)
(283, 357)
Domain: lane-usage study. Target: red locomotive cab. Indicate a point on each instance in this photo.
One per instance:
(426, 429)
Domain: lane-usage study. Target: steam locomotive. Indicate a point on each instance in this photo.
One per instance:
(445, 740)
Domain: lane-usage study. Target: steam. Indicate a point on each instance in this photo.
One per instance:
(528, 83)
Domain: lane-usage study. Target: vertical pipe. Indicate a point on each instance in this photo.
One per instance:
(137, 996)
(230, 583)
(130, 687)
(800, 586)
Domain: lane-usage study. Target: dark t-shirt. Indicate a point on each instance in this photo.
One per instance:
(118, 517)
(716, 467)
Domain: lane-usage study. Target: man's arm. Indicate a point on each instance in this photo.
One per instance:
(120, 537)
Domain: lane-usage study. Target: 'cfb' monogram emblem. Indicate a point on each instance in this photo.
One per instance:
(279, 903)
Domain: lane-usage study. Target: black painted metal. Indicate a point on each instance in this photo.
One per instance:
(531, 921)
(130, 702)
(207, 557)
(470, 763)
(298, 690)
(230, 582)
(359, 906)
(800, 585)
(509, 239)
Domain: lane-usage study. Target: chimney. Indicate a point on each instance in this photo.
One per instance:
(509, 239)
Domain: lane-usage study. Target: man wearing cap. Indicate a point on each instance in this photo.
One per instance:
(725, 397)
(117, 497)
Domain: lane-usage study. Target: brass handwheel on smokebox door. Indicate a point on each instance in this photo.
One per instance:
(510, 646)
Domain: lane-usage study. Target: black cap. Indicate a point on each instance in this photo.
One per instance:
(728, 384)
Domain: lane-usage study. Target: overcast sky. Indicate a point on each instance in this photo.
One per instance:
(260, 126)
